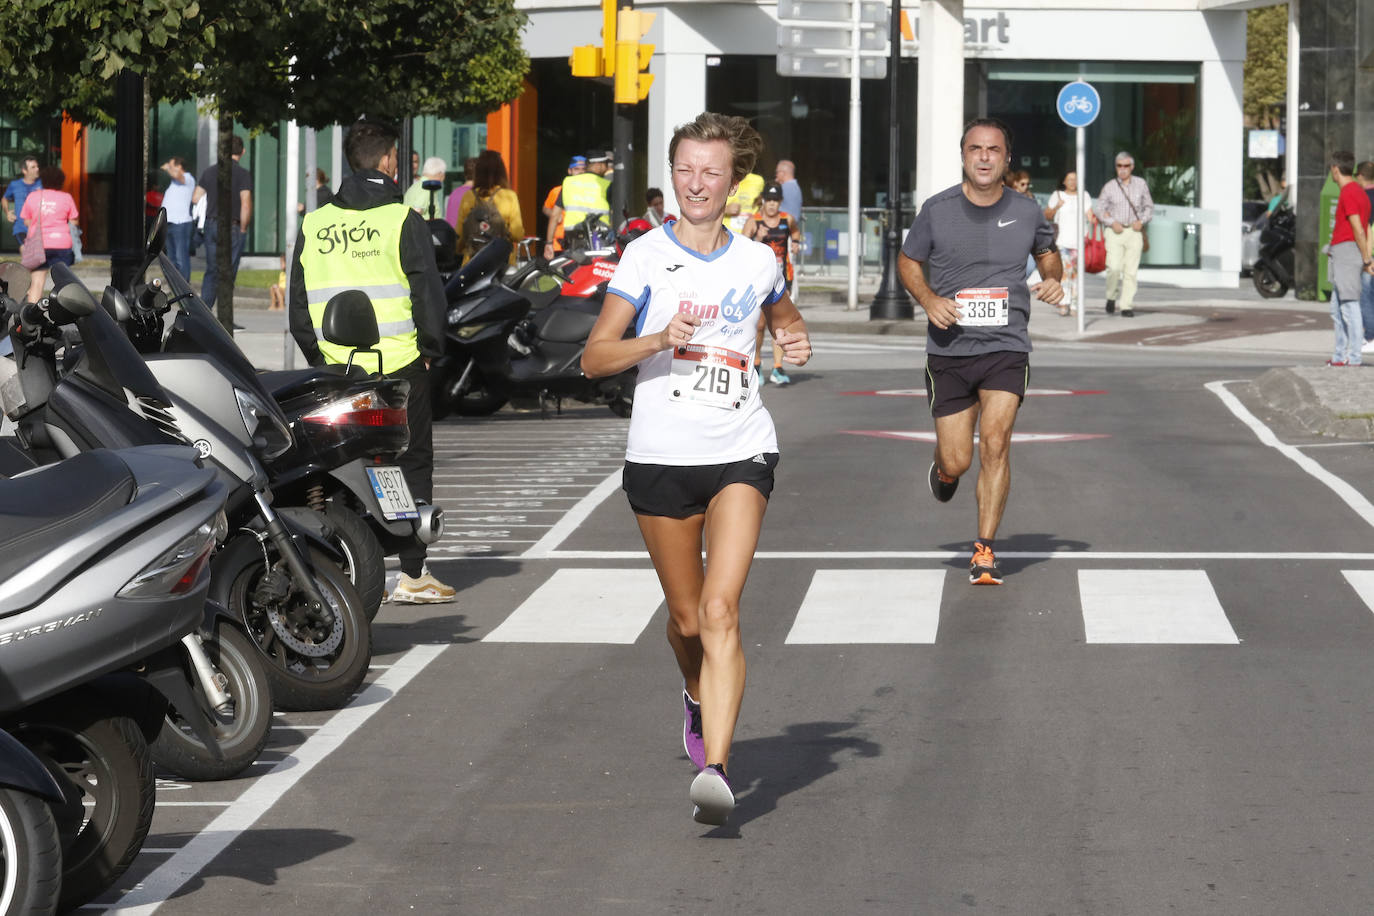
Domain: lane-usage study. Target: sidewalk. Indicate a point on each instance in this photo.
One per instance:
(1326, 401)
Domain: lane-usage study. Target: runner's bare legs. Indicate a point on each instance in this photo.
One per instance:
(705, 632)
(994, 416)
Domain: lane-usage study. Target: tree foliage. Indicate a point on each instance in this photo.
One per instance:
(1266, 65)
(319, 61)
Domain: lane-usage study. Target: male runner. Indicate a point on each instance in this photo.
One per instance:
(973, 240)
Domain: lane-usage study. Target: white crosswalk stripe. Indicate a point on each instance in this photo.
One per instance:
(585, 606)
(1362, 580)
(890, 607)
(897, 606)
(1152, 606)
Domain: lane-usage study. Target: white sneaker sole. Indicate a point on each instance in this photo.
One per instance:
(399, 597)
(712, 798)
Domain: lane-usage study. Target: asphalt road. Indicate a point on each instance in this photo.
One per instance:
(1165, 709)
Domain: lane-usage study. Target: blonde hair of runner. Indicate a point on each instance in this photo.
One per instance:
(745, 142)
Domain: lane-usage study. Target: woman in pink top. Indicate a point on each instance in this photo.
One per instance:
(50, 210)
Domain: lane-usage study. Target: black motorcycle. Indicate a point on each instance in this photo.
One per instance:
(501, 348)
(1272, 272)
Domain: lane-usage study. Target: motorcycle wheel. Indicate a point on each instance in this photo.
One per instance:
(1266, 283)
(308, 668)
(475, 397)
(101, 761)
(30, 855)
(363, 559)
(241, 733)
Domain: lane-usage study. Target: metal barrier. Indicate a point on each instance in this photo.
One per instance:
(825, 242)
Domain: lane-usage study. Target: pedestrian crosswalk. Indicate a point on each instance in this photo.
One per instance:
(893, 607)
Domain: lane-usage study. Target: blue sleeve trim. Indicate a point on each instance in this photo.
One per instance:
(640, 302)
(775, 295)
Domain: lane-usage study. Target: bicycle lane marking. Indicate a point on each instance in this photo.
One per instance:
(1348, 494)
(243, 812)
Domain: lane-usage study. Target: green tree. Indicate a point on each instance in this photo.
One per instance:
(1266, 65)
(320, 62)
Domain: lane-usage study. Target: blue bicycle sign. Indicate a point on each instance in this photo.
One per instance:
(1078, 104)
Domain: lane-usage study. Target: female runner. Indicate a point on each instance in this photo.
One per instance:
(702, 449)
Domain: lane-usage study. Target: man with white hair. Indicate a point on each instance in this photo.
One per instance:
(418, 199)
(1125, 206)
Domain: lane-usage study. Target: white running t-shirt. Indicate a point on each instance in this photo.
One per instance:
(699, 404)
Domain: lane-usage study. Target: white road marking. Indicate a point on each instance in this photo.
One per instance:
(266, 790)
(1362, 580)
(566, 525)
(922, 435)
(1146, 556)
(1156, 606)
(898, 606)
(1348, 494)
(585, 606)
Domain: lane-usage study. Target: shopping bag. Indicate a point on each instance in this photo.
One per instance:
(1094, 251)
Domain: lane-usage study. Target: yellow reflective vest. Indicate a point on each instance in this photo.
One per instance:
(583, 195)
(360, 249)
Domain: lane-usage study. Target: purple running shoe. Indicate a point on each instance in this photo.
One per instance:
(692, 741)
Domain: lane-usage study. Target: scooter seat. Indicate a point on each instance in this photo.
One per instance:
(39, 510)
(286, 382)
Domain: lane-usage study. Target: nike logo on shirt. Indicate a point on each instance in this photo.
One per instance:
(1002, 225)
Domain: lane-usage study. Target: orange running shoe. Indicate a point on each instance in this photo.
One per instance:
(983, 569)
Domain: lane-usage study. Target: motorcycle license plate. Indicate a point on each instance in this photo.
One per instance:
(393, 493)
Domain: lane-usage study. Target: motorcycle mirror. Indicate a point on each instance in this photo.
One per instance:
(75, 299)
(14, 277)
(350, 321)
(113, 301)
(157, 235)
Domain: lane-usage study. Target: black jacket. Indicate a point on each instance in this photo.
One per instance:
(363, 191)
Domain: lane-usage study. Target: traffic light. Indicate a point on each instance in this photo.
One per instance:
(632, 57)
(590, 60)
(585, 61)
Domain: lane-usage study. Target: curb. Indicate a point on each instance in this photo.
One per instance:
(1288, 393)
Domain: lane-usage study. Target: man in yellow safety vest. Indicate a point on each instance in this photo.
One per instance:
(367, 239)
(583, 196)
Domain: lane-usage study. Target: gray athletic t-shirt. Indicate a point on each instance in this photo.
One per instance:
(965, 246)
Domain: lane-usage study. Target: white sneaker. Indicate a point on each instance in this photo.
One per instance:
(1368, 347)
(712, 798)
(424, 590)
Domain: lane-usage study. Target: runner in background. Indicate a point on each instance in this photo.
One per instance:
(965, 261)
(781, 232)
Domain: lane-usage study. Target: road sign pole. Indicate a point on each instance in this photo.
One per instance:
(855, 123)
(1080, 161)
(1078, 105)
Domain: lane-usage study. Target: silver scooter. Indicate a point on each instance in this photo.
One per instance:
(104, 570)
(300, 610)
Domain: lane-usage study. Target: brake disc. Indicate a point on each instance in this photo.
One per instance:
(288, 635)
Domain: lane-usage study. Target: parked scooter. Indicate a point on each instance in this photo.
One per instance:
(338, 480)
(104, 569)
(235, 701)
(30, 846)
(298, 607)
(1272, 272)
(498, 349)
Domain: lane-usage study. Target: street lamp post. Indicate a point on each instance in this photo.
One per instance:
(892, 300)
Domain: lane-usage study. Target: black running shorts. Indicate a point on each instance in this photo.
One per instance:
(681, 492)
(953, 382)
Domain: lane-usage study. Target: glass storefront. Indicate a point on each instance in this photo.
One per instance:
(1149, 109)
